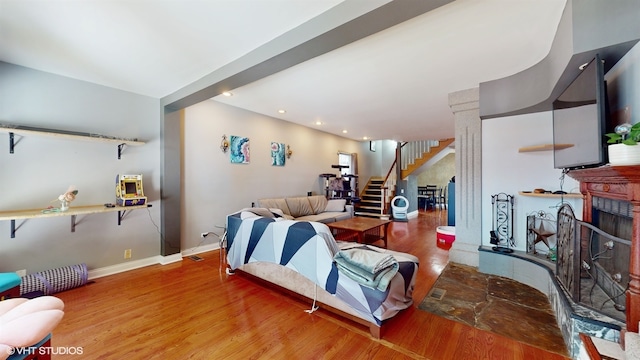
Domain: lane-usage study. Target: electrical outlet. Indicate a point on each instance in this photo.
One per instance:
(22, 273)
(127, 254)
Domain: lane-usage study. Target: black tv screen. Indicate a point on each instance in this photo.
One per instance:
(579, 120)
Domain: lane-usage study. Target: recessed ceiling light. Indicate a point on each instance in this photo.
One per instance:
(344, 131)
(227, 93)
(365, 138)
(281, 111)
(318, 122)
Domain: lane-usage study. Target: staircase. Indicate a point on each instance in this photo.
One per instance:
(372, 202)
(378, 192)
(417, 153)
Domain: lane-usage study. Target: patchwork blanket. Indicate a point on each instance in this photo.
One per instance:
(309, 249)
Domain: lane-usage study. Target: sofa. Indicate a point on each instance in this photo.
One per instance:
(299, 256)
(309, 208)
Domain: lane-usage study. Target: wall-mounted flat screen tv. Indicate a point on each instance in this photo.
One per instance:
(579, 120)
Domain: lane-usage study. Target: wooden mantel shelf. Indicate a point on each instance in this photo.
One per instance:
(73, 211)
(608, 174)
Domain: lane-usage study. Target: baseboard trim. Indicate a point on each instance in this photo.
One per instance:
(165, 260)
(200, 249)
(153, 260)
(127, 266)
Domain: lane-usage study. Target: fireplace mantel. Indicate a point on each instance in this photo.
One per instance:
(619, 183)
(614, 182)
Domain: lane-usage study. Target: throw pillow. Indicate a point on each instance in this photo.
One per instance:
(335, 205)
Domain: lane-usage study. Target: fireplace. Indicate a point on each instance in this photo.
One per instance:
(608, 243)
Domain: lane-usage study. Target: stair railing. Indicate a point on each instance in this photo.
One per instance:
(388, 183)
(415, 150)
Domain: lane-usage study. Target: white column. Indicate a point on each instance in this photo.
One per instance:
(468, 131)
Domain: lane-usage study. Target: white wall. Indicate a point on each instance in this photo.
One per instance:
(214, 187)
(43, 168)
(505, 170)
(376, 163)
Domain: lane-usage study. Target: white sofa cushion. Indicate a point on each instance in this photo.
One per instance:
(299, 206)
(318, 203)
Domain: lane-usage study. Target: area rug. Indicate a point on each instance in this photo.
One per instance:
(495, 304)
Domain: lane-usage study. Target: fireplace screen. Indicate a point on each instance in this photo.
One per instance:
(593, 263)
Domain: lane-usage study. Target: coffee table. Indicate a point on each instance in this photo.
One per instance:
(365, 230)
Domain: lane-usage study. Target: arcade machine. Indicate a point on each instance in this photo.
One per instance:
(129, 190)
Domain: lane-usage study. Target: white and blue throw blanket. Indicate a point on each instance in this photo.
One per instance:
(309, 249)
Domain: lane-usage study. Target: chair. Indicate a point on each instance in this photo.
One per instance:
(30, 321)
(430, 192)
(422, 196)
(441, 198)
(29, 324)
(9, 285)
(427, 196)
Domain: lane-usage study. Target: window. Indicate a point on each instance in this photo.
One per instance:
(345, 159)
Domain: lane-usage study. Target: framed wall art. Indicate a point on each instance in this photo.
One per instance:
(239, 146)
(277, 154)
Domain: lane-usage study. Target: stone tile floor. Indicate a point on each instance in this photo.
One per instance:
(495, 304)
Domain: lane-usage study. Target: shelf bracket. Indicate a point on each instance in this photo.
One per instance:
(11, 143)
(73, 223)
(120, 148)
(13, 229)
(121, 215)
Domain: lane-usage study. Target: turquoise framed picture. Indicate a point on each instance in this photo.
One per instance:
(277, 154)
(239, 146)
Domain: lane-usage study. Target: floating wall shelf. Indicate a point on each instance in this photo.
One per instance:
(551, 195)
(73, 211)
(544, 147)
(64, 134)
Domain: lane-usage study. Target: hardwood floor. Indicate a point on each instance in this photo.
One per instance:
(193, 310)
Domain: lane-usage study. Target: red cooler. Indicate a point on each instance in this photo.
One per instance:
(445, 236)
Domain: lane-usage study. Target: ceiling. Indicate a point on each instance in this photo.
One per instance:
(393, 84)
